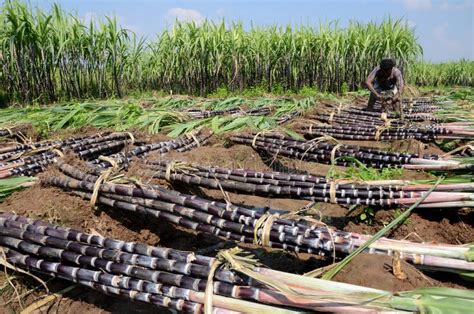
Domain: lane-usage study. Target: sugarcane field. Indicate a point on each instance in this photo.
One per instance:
(236, 157)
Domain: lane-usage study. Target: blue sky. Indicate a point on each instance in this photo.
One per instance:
(445, 28)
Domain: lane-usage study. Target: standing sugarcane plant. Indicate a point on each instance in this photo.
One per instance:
(51, 55)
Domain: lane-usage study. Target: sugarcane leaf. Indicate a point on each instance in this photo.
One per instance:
(10, 185)
(216, 123)
(66, 118)
(235, 124)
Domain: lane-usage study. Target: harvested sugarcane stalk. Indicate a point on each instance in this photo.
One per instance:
(244, 225)
(355, 132)
(110, 266)
(344, 155)
(314, 188)
(181, 144)
(30, 159)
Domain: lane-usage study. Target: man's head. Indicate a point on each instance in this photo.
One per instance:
(386, 66)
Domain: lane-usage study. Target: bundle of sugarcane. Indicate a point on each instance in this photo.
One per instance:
(421, 109)
(381, 133)
(187, 282)
(29, 159)
(420, 106)
(375, 125)
(199, 114)
(413, 117)
(356, 117)
(343, 155)
(181, 144)
(263, 111)
(349, 119)
(315, 188)
(289, 116)
(248, 225)
(417, 108)
(421, 101)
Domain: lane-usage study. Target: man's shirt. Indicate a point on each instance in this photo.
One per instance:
(394, 79)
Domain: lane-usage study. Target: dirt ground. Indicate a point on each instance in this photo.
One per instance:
(57, 206)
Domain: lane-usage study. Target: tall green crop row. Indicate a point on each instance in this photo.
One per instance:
(198, 59)
(55, 55)
(449, 73)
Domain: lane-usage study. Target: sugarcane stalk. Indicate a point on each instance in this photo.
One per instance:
(302, 292)
(289, 241)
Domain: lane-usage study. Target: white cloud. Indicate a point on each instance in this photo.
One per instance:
(182, 14)
(417, 4)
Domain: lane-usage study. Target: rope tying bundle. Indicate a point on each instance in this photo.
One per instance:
(378, 132)
(174, 166)
(195, 139)
(317, 140)
(333, 153)
(331, 117)
(103, 178)
(254, 141)
(132, 138)
(10, 132)
(332, 192)
(229, 259)
(263, 225)
(58, 152)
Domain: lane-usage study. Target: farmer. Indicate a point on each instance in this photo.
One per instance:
(385, 83)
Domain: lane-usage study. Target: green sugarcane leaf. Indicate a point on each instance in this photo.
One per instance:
(235, 124)
(66, 119)
(216, 123)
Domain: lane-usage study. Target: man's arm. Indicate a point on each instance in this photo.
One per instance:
(400, 84)
(369, 83)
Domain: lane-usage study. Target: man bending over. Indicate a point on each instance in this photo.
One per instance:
(385, 83)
